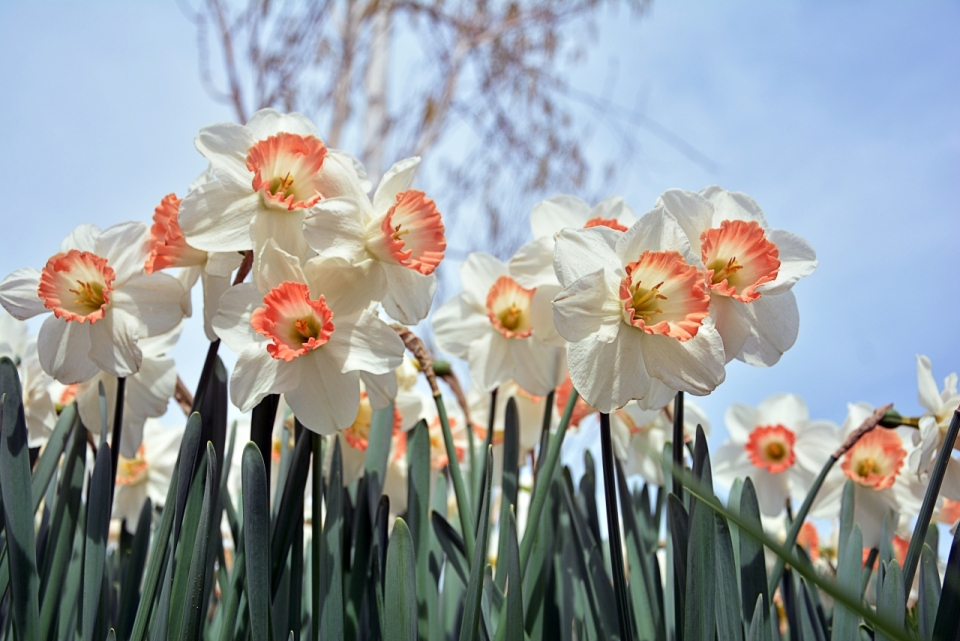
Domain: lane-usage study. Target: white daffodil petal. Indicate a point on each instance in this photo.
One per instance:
(456, 325)
(928, 395)
(284, 228)
(775, 323)
(732, 205)
(740, 420)
(18, 294)
(532, 265)
(588, 307)
(783, 409)
(538, 366)
(268, 122)
(381, 388)
(213, 288)
(274, 265)
(258, 374)
(82, 238)
(584, 251)
(732, 322)
(609, 375)
(409, 294)
(154, 299)
(693, 213)
(346, 288)
(491, 360)
(477, 274)
(557, 213)
(63, 348)
(394, 181)
(541, 315)
(232, 322)
(326, 400)
(614, 208)
(694, 366)
(226, 145)
(215, 219)
(655, 231)
(335, 227)
(113, 343)
(658, 396)
(126, 247)
(367, 344)
(222, 264)
(797, 259)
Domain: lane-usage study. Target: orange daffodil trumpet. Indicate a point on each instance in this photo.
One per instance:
(307, 333)
(748, 269)
(400, 232)
(635, 310)
(264, 177)
(501, 324)
(102, 302)
(778, 446)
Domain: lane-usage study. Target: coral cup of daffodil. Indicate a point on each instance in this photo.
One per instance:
(502, 328)
(635, 309)
(307, 335)
(101, 299)
(749, 270)
(400, 231)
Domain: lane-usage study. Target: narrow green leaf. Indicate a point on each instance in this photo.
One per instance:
(513, 623)
(928, 597)
(256, 543)
(193, 608)
(331, 589)
(470, 626)
(187, 465)
(893, 598)
(845, 621)
(646, 607)
(729, 625)
(758, 628)
(418, 510)
(400, 586)
(806, 612)
(377, 455)
(18, 505)
(451, 543)
(261, 428)
(753, 572)
(316, 533)
(95, 547)
(700, 607)
(678, 527)
(49, 459)
(133, 574)
(189, 532)
(948, 614)
(509, 482)
(463, 500)
(846, 517)
(290, 511)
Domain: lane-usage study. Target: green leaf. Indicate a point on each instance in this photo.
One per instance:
(463, 501)
(377, 455)
(452, 545)
(256, 544)
(187, 465)
(418, 511)
(845, 621)
(512, 624)
(18, 505)
(758, 628)
(948, 614)
(133, 574)
(470, 626)
(316, 536)
(290, 512)
(701, 575)
(95, 547)
(400, 586)
(331, 589)
(678, 527)
(49, 459)
(846, 518)
(646, 607)
(63, 530)
(729, 625)
(753, 573)
(508, 483)
(806, 612)
(193, 609)
(893, 598)
(928, 596)
(189, 532)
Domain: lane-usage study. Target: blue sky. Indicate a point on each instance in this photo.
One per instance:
(840, 119)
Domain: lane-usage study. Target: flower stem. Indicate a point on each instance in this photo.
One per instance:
(117, 429)
(678, 443)
(477, 474)
(613, 531)
(463, 502)
(545, 432)
(930, 502)
(542, 487)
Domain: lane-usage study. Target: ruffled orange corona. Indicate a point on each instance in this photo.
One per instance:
(771, 448)
(508, 307)
(739, 258)
(410, 234)
(168, 247)
(875, 460)
(284, 169)
(294, 322)
(599, 221)
(662, 294)
(76, 285)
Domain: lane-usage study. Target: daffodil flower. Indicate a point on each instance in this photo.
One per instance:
(102, 302)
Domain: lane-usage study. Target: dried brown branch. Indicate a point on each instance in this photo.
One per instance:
(183, 396)
(413, 343)
(872, 422)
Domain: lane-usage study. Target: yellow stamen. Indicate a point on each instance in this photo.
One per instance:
(721, 272)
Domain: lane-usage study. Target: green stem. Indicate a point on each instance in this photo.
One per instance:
(930, 502)
(542, 487)
(613, 532)
(463, 502)
(316, 534)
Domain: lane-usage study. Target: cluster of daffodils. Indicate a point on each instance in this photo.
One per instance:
(307, 272)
